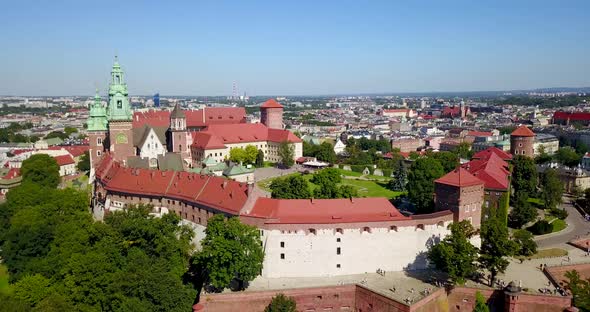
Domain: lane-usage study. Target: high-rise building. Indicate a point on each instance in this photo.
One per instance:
(157, 100)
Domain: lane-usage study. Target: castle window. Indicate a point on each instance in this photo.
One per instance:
(420, 227)
(440, 224)
(339, 231)
(470, 220)
(366, 229)
(338, 250)
(283, 256)
(467, 208)
(282, 244)
(338, 267)
(393, 228)
(97, 153)
(119, 104)
(338, 240)
(99, 141)
(312, 231)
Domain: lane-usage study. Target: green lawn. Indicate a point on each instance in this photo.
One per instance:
(4, 286)
(80, 183)
(537, 203)
(558, 225)
(365, 188)
(547, 253)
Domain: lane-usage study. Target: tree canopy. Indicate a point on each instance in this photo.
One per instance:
(522, 212)
(448, 160)
(84, 163)
(281, 303)
(495, 246)
(292, 187)
(567, 156)
(41, 169)
(231, 250)
(551, 188)
(580, 289)
(455, 254)
(480, 303)
(524, 176)
(247, 155)
(420, 184)
(287, 154)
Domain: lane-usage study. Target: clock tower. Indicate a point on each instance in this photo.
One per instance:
(120, 116)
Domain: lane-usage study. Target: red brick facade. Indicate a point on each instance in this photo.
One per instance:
(272, 117)
(121, 140)
(97, 146)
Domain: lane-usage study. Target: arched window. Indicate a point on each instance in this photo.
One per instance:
(312, 231)
(440, 224)
(420, 227)
(339, 231)
(366, 229)
(393, 228)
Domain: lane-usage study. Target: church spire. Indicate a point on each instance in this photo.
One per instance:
(97, 117)
(118, 107)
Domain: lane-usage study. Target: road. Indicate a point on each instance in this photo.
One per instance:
(577, 226)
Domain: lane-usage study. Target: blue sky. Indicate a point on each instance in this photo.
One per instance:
(293, 47)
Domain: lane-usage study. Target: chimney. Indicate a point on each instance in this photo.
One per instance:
(311, 199)
(204, 114)
(224, 184)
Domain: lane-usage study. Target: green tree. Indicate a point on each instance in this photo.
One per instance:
(455, 254)
(480, 303)
(567, 156)
(260, 159)
(448, 160)
(84, 163)
(421, 182)
(287, 153)
(325, 176)
(237, 155)
(525, 242)
(580, 289)
(250, 154)
(230, 250)
(543, 157)
(522, 212)
(32, 288)
(495, 246)
(551, 188)
(70, 130)
(463, 150)
(400, 178)
(56, 134)
(326, 153)
(41, 169)
(524, 176)
(281, 303)
(293, 187)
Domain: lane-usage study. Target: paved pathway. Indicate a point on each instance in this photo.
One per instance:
(577, 226)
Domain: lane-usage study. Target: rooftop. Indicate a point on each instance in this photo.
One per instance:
(272, 103)
(459, 177)
(523, 131)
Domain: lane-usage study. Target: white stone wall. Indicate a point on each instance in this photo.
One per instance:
(67, 170)
(307, 254)
(270, 150)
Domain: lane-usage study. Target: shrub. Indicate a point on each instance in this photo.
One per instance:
(387, 172)
(541, 227)
(559, 213)
(357, 168)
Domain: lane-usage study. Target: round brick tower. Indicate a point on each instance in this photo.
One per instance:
(271, 114)
(521, 142)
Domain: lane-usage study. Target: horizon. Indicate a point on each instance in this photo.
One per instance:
(318, 49)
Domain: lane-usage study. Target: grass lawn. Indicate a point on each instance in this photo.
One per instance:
(558, 224)
(547, 253)
(364, 188)
(81, 183)
(537, 203)
(4, 286)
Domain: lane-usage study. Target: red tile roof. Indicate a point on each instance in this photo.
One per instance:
(241, 133)
(11, 174)
(451, 111)
(205, 140)
(459, 177)
(219, 193)
(485, 154)
(523, 131)
(64, 160)
(272, 103)
(194, 118)
(576, 116)
(493, 171)
(325, 211)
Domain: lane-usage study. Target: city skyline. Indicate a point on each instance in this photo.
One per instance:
(294, 49)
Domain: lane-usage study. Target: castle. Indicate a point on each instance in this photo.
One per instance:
(306, 237)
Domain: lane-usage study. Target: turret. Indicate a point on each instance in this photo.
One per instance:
(271, 114)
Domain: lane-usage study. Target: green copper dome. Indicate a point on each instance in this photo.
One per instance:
(118, 107)
(97, 117)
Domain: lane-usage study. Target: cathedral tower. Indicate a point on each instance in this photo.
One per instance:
(97, 126)
(178, 132)
(119, 116)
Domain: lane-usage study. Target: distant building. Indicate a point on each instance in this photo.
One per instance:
(547, 142)
(157, 100)
(339, 147)
(407, 145)
(567, 118)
